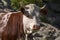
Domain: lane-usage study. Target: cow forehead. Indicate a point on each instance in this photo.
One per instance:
(32, 9)
(32, 6)
(29, 8)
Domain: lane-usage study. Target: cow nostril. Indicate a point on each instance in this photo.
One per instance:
(36, 27)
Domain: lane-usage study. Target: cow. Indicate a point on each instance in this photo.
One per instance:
(14, 25)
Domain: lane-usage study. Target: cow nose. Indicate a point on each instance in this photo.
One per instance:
(36, 27)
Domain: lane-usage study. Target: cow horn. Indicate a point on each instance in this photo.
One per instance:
(43, 6)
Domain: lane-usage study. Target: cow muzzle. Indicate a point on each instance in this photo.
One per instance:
(36, 27)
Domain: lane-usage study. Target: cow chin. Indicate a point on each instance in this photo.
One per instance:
(29, 31)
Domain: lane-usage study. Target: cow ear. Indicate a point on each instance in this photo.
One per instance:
(22, 9)
(44, 11)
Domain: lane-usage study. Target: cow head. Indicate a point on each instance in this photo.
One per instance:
(31, 19)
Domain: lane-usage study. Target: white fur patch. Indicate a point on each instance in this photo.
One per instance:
(4, 17)
(3, 21)
(28, 24)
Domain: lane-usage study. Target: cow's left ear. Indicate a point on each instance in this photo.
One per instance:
(44, 11)
(22, 9)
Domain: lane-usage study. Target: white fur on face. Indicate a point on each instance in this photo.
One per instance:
(29, 8)
(28, 23)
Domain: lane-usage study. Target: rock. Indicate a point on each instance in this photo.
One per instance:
(58, 38)
(5, 6)
(47, 32)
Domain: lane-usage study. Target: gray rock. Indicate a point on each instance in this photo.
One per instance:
(58, 38)
(5, 6)
(47, 32)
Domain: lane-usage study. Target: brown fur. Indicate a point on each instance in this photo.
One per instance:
(14, 27)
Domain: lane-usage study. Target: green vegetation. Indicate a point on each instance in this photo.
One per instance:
(17, 3)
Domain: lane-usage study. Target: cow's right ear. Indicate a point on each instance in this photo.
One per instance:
(22, 9)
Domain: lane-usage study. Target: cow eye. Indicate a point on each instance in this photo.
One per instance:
(26, 7)
(29, 16)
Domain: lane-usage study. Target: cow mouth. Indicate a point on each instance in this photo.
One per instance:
(35, 27)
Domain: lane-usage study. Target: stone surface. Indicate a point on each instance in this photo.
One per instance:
(47, 32)
(57, 38)
(5, 6)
